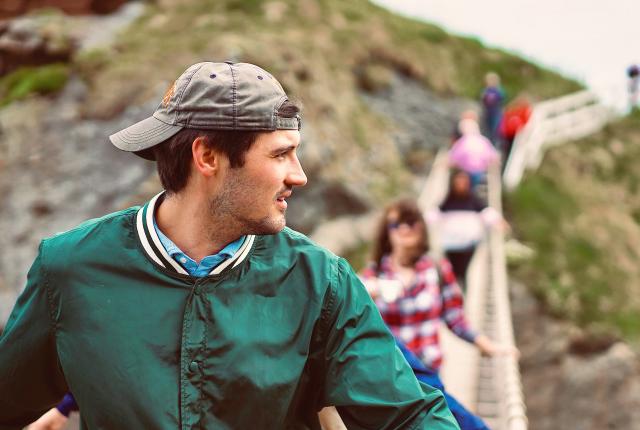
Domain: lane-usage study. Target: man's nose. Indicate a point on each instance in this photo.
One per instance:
(296, 177)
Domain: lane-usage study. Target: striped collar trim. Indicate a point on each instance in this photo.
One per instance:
(155, 250)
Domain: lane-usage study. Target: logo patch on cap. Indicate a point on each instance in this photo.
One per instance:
(167, 96)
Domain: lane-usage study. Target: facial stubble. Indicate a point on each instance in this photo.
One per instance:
(230, 209)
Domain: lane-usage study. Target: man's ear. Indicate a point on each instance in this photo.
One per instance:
(206, 161)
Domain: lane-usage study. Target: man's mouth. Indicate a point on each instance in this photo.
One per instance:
(281, 199)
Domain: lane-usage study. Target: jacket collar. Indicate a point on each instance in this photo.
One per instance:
(153, 247)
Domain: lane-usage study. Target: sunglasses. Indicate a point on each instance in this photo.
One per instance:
(393, 225)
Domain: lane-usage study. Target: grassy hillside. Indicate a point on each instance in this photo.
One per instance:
(324, 52)
(581, 214)
(312, 45)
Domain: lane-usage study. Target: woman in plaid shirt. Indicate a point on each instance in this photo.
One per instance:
(413, 291)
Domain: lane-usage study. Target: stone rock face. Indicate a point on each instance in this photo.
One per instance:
(597, 388)
(12, 8)
(32, 42)
(38, 39)
(58, 170)
(322, 200)
(423, 121)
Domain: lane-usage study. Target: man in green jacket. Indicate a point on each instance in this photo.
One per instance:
(200, 309)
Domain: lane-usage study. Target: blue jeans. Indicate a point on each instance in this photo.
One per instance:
(466, 420)
(492, 118)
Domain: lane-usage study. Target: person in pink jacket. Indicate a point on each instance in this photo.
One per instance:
(473, 152)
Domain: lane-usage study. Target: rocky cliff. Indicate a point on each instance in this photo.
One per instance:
(571, 379)
(380, 94)
(13, 8)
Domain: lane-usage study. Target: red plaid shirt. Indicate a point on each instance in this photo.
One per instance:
(414, 315)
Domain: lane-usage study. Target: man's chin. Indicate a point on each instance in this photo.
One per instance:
(280, 225)
(271, 225)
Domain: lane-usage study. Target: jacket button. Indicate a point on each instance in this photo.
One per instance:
(194, 366)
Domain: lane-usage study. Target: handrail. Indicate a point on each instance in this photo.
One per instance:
(510, 412)
(511, 398)
(434, 191)
(552, 121)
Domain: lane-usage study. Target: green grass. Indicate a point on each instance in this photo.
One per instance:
(457, 65)
(365, 35)
(333, 39)
(569, 272)
(517, 75)
(26, 81)
(580, 212)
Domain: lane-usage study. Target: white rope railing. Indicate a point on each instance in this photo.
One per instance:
(553, 121)
(511, 399)
(498, 398)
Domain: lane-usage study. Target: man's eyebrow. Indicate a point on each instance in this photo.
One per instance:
(284, 148)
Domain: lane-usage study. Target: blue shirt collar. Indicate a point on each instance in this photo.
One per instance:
(207, 264)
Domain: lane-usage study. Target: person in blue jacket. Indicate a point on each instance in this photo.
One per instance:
(466, 420)
(492, 100)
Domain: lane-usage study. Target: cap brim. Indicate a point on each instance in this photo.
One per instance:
(143, 135)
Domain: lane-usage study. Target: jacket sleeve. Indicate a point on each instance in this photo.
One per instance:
(31, 381)
(366, 376)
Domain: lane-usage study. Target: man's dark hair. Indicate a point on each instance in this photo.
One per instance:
(173, 156)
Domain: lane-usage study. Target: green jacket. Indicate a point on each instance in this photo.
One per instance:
(279, 331)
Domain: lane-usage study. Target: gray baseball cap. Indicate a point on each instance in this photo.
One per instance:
(211, 96)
